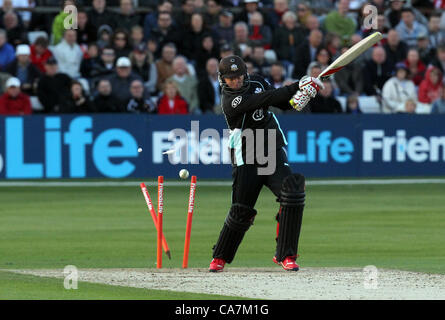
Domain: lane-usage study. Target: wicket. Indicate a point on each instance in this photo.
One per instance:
(188, 228)
(160, 217)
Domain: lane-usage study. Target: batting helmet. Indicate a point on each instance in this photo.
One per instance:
(232, 67)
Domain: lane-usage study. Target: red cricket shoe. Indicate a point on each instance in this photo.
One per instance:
(288, 263)
(217, 265)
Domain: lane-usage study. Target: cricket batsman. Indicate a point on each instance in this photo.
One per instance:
(245, 102)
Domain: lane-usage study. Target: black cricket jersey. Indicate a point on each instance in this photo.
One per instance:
(248, 108)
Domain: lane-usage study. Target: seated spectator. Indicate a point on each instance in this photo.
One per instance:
(24, 70)
(426, 53)
(314, 69)
(280, 7)
(77, 101)
(68, 54)
(213, 10)
(323, 57)
(436, 34)
(408, 28)
(439, 104)
(276, 75)
(287, 36)
(86, 33)
(13, 101)
(99, 15)
(260, 64)
(151, 19)
(395, 49)
(91, 58)
(171, 101)
(312, 23)
(165, 32)
(409, 107)
(242, 44)
(325, 102)
(105, 101)
(439, 59)
(104, 36)
(416, 67)
(397, 90)
(140, 101)
(394, 13)
(7, 52)
(143, 65)
(306, 53)
(58, 26)
(258, 31)
(183, 16)
(352, 104)
(121, 44)
(333, 44)
(350, 79)
(250, 6)
(8, 7)
(207, 50)
(225, 51)
(127, 18)
(224, 29)
(187, 84)
(303, 11)
(209, 88)
(53, 87)
(40, 53)
(429, 88)
(164, 66)
(137, 36)
(99, 67)
(192, 36)
(122, 78)
(376, 71)
(338, 21)
(16, 33)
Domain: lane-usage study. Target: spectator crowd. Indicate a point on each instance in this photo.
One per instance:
(161, 56)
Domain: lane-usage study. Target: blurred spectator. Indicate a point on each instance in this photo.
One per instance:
(426, 53)
(314, 69)
(439, 104)
(192, 36)
(7, 53)
(121, 43)
(352, 104)
(416, 67)
(207, 50)
(16, 33)
(429, 88)
(77, 101)
(395, 49)
(436, 35)
(376, 71)
(224, 29)
(86, 33)
(105, 101)
(303, 11)
(323, 58)
(325, 102)
(90, 61)
(99, 15)
(312, 23)
(350, 79)
(170, 101)
(260, 64)
(104, 36)
(40, 53)
(8, 6)
(258, 32)
(438, 61)
(212, 13)
(165, 32)
(287, 37)
(68, 54)
(24, 70)
(13, 101)
(409, 107)
(250, 68)
(337, 21)
(383, 27)
(397, 90)
(225, 51)
(394, 13)
(248, 7)
(151, 19)
(99, 67)
(137, 37)
(187, 84)
(379, 4)
(209, 88)
(333, 44)
(276, 75)
(408, 28)
(127, 18)
(280, 7)
(58, 26)
(140, 101)
(306, 53)
(122, 78)
(164, 66)
(53, 87)
(242, 44)
(184, 15)
(143, 65)
(318, 5)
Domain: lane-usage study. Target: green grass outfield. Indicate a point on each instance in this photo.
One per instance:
(389, 226)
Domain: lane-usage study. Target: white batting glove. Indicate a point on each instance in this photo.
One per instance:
(299, 100)
(310, 85)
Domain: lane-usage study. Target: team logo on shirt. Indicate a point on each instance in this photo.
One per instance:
(258, 90)
(236, 101)
(258, 115)
(234, 67)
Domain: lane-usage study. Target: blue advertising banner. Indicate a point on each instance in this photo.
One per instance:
(106, 146)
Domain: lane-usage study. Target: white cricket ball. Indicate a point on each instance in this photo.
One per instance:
(184, 174)
(139, 149)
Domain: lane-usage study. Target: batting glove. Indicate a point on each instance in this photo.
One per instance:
(310, 85)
